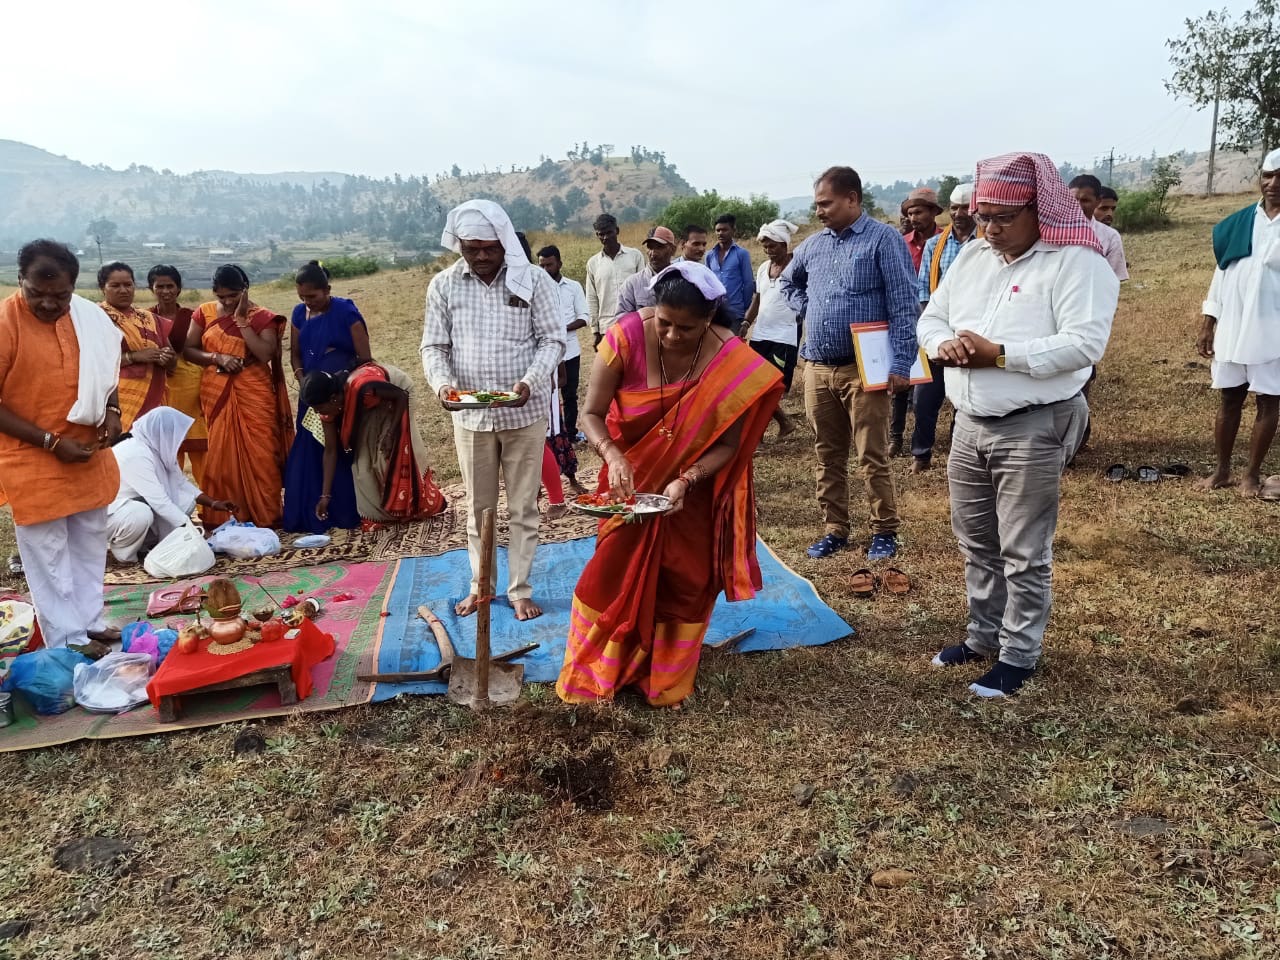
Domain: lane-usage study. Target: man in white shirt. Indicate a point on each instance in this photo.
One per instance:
(494, 323)
(1239, 329)
(1019, 320)
(606, 271)
(574, 313)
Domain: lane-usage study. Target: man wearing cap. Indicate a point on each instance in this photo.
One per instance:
(660, 247)
(1238, 333)
(855, 271)
(732, 265)
(494, 322)
(922, 212)
(606, 272)
(939, 253)
(1024, 313)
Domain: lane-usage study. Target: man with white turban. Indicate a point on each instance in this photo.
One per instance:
(773, 325)
(1239, 329)
(1020, 319)
(939, 253)
(493, 324)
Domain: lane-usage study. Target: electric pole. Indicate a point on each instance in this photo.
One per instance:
(1111, 167)
(1213, 135)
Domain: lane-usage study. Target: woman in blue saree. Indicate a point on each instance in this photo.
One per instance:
(328, 335)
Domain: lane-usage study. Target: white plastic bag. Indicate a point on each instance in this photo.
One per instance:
(183, 553)
(244, 541)
(114, 684)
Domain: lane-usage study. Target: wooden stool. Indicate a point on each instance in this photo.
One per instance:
(281, 677)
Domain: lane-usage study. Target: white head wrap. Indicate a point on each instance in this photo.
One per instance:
(1272, 162)
(779, 231)
(962, 193)
(151, 450)
(486, 220)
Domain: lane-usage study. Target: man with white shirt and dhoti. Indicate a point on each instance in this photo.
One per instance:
(59, 412)
(1020, 319)
(1240, 330)
(494, 322)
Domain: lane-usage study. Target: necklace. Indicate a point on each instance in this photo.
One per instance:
(663, 429)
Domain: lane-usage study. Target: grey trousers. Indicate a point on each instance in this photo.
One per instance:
(1004, 476)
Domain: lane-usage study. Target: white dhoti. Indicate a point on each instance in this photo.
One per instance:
(65, 561)
(130, 527)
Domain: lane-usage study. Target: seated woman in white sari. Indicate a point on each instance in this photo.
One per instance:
(155, 496)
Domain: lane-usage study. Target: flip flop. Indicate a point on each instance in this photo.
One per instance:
(1147, 474)
(897, 582)
(15, 565)
(1117, 472)
(1175, 471)
(863, 583)
(1270, 489)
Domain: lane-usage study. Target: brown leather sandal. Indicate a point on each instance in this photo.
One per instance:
(896, 582)
(863, 583)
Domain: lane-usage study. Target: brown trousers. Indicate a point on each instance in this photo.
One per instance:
(843, 415)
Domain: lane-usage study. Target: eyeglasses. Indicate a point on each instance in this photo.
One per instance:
(1001, 219)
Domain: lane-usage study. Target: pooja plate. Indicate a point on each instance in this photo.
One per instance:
(646, 504)
(480, 399)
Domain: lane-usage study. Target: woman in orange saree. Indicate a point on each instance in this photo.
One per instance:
(243, 396)
(165, 283)
(677, 404)
(146, 357)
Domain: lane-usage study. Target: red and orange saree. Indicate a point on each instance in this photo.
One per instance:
(640, 609)
(143, 386)
(392, 479)
(249, 419)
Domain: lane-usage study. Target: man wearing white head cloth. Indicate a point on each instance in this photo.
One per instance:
(493, 324)
(774, 327)
(939, 253)
(1239, 330)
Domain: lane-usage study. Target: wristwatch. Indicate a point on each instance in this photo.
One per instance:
(1000, 357)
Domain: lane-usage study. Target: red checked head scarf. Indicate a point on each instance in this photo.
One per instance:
(1020, 178)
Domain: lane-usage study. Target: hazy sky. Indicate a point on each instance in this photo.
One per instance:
(744, 96)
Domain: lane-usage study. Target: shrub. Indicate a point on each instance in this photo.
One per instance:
(341, 268)
(1139, 210)
(703, 208)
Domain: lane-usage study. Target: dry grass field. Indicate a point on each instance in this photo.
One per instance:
(1126, 806)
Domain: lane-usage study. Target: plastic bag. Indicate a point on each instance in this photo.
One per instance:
(244, 541)
(19, 632)
(140, 637)
(47, 678)
(116, 683)
(183, 553)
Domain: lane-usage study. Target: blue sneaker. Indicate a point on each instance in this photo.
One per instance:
(956, 656)
(1002, 680)
(827, 546)
(884, 546)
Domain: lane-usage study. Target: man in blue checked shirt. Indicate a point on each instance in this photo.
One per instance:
(857, 270)
(732, 264)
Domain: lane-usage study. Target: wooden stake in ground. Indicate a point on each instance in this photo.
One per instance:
(480, 683)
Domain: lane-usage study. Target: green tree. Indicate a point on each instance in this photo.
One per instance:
(1234, 60)
(703, 208)
(102, 230)
(945, 186)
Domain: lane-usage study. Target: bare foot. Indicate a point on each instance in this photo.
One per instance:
(1215, 481)
(557, 510)
(920, 464)
(785, 424)
(106, 635)
(526, 609)
(94, 649)
(576, 487)
(1251, 485)
(465, 608)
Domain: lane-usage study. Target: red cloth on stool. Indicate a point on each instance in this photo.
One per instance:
(183, 672)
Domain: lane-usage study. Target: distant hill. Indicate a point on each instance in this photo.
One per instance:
(42, 194)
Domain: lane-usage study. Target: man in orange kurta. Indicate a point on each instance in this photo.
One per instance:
(58, 413)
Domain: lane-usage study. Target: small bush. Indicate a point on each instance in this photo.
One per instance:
(342, 268)
(703, 208)
(1139, 210)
